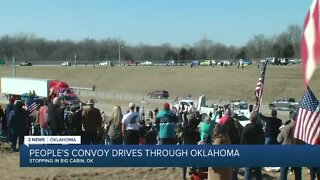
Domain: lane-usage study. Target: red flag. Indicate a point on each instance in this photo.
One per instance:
(310, 42)
(307, 126)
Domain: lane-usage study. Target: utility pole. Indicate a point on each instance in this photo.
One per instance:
(119, 54)
(13, 67)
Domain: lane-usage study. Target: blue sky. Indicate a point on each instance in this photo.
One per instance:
(178, 22)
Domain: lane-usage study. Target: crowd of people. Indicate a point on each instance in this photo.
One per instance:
(165, 126)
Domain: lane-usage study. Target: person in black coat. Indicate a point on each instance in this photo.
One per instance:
(272, 128)
(252, 134)
(75, 121)
(190, 134)
(56, 117)
(18, 118)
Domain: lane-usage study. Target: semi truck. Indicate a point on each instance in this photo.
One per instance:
(43, 88)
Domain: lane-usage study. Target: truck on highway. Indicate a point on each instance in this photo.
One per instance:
(43, 88)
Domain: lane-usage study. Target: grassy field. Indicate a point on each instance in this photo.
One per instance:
(215, 83)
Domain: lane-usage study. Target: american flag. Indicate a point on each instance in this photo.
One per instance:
(308, 119)
(259, 88)
(31, 105)
(310, 42)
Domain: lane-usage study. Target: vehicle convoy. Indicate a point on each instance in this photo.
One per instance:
(43, 88)
(284, 103)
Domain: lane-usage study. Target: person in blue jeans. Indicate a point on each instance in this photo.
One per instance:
(296, 170)
(272, 125)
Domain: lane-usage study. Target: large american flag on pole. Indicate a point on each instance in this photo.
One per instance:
(259, 88)
(310, 42)
(307, 126)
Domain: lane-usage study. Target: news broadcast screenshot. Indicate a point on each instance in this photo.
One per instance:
(162, 90)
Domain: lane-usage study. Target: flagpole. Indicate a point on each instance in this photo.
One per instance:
(264, 82)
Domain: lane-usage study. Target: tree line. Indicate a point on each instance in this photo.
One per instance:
(28, 47)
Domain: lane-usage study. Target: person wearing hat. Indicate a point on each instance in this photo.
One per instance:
(92, 123)
(166, 123)
(130, 126)
(285, 137)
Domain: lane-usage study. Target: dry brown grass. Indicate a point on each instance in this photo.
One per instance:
(216, 83)
(179, 81)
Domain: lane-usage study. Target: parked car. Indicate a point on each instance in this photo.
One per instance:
(195, 63)
(131, 63)
(295, 61)
(169, 63)
(26, 63)
(284, 103)
(241, 107)
(206, 63)
(224, 63)
(284, 61)
(146, 63)
(106, 63)
(159, 94)
(67, 63)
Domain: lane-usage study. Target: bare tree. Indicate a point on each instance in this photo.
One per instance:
(294, 33)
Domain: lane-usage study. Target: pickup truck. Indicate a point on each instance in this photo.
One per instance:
(201, 106)
(284, 103)
(240, 107)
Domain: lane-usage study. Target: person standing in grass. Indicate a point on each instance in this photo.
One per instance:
(130, 126)
(272, 127)
(166, 124)
(43, 118)
(285, 137)
(115, 126)
(92, 121)
(252, 134)
(18, 118)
